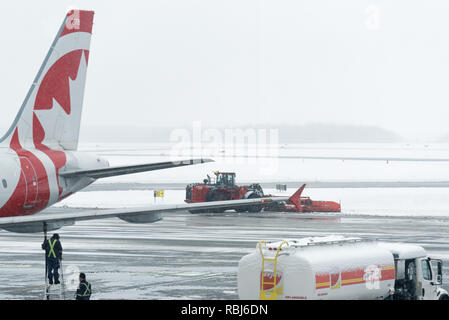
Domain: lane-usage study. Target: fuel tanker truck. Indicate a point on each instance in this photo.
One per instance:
(336, 267)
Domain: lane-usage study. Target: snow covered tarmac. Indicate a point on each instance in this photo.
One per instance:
(189, 256)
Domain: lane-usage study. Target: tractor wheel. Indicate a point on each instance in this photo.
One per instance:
(255, 207)
(218, 197)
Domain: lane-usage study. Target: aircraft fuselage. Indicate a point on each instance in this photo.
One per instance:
(30, 181)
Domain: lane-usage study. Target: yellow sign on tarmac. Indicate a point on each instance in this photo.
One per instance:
(158, 193)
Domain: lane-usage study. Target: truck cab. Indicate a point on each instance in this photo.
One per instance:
(418, 276)
(419, 279)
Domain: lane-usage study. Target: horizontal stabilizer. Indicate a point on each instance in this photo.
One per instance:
(121, 170)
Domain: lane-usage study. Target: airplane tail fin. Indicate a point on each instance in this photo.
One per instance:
(50, 116)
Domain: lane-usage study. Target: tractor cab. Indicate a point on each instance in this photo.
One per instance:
(225, 179)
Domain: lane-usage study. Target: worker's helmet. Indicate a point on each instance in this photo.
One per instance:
(82, 276)
(56, 236)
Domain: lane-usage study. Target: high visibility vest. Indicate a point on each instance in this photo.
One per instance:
(52, 247)
(87, 291)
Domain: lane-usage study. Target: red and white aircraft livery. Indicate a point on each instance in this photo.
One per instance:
(39, 161)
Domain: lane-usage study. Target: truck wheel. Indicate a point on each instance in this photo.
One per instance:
(444, 297)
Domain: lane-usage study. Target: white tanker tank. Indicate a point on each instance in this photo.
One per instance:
(335, 267)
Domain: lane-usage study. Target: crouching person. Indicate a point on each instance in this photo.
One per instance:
(84, 290)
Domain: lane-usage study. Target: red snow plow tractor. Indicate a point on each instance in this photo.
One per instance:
(223, 187)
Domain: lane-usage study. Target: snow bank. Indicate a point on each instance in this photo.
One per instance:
(430, 202)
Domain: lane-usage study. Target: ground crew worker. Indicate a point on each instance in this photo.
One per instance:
(84, 290)
(53, 254)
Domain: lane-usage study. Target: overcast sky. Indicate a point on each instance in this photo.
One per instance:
(239, 62)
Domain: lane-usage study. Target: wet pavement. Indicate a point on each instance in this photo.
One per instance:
(188, 256)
